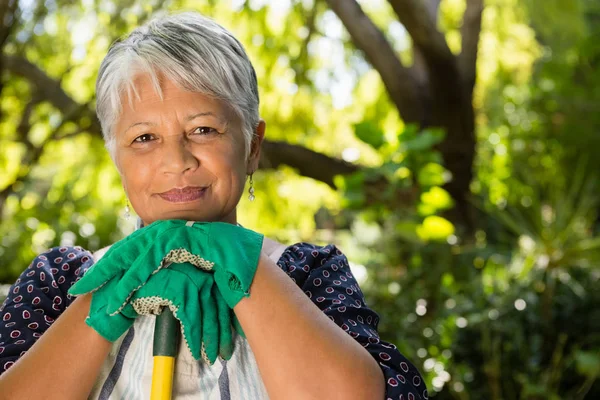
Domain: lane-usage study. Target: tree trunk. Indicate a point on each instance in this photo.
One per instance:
(438, 86)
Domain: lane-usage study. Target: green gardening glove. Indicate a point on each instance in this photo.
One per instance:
(229, 251)
(193, 298)
(123, 255)
(109, 327)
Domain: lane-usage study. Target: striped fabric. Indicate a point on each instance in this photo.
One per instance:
(127, 372)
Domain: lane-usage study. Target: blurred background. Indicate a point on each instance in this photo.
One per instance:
(449, 148)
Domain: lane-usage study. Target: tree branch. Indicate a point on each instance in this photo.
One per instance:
(433, 7)
(307, 162)
(8, 15)
(470, 31)
(399, 81)
(49, 89)
(451, 102)
(420, 68)
(416, 17)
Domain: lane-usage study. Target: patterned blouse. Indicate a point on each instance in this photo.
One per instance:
(39, 296)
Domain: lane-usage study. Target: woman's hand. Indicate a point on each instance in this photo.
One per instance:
(110, 327)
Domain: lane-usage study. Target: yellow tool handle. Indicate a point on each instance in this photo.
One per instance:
(162, 378)
(166, 343)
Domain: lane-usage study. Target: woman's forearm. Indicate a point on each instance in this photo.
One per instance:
(63, 364)
(300, 352)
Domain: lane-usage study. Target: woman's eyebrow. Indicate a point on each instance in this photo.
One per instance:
(204, 114)
(200, 114)
(207, 113)
(139, 123)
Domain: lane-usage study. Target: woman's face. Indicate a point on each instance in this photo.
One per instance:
(182, 157)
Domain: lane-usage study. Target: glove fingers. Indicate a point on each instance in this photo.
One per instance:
(150, 258)
(94, 278)
(129, 312)
(135, 277)
(199, 310)
(236, 325)
(190, 314)
(110, 328)
(224, 318)
(210, 323)
(170, 288)
(236, 252)
(118, 258)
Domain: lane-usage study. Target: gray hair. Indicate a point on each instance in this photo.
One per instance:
(193, 51)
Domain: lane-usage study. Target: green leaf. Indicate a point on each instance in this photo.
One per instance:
(437, 198)
(370, 133)
(588, 363)
(423, 141)
(435, 228)
(353, 188)
(431, 175)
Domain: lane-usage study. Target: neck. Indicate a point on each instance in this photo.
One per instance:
(230, 218)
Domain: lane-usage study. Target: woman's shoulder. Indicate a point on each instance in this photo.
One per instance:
(55, 269)
(44, 284)
(313, 265)
(309, 255)
(61, 260)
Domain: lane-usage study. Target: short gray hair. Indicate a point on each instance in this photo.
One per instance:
(193, 51)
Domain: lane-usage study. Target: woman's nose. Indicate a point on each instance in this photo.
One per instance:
(177, 157)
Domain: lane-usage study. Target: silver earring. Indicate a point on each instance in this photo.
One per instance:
(251, 190)
(127, 211)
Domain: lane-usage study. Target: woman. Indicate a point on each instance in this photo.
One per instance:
(178, 104)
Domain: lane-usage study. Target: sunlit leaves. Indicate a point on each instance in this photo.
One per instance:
(369, 133)
(435, 228)
(437, 198)
(588, 363)
(431, 174)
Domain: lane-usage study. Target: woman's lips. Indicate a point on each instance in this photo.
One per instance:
(183, 195)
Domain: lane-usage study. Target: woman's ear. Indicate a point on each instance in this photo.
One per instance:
(255, 146)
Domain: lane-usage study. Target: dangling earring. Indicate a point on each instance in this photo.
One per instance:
(251, 190)
(127, 211)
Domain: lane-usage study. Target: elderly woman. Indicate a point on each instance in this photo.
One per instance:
(178, 105)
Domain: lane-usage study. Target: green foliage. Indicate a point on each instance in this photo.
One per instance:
(512, 312)
(369, 133)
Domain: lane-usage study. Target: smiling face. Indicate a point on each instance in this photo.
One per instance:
(182, 156)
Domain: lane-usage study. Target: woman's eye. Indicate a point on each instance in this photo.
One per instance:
(146, 137)
(205, 130)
